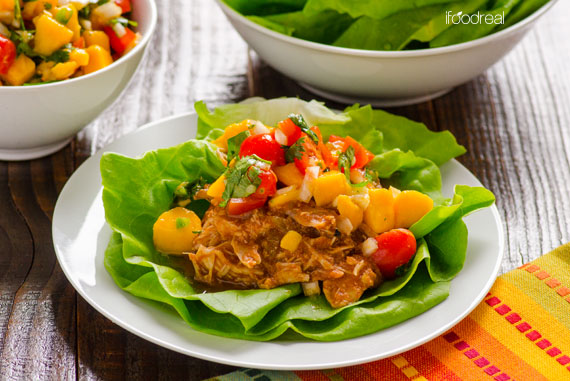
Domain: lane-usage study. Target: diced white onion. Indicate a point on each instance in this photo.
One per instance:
(61, 3)
(311, 173)
(260, 128)
(119, 30)
(344, 225)
(369, 247)
(280, 137)
(107, 12)
(311, 288)
(86, 24)
(362, 200)
(284, 190)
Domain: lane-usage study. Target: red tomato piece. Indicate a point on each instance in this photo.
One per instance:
(291, 130)
(325, 152)
(395, 248)
(264, 146)
(238, 206)
(7, 54)
(362, 155)
(268, 185)
(311, 155)
(120, 44)
(79, 43)
(124, 4)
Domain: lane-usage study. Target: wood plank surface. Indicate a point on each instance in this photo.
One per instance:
(514, 121)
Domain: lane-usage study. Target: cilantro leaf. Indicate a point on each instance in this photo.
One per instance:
(300, 122)
(243, 179)
(346, 160)
(59, 56)
(234, 143)
(295, 151)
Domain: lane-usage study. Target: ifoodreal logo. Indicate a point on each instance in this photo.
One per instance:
(475, 18)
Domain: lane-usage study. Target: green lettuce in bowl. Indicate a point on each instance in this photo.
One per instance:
(408, 155)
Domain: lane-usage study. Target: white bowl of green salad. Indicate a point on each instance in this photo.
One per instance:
(61, 64)
(383, 52)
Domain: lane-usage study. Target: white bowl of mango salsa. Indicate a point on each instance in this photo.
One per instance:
(62, 62)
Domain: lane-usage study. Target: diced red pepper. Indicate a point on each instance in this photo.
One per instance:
(238, 206)
(7, 54)
(120, 44)
(124, 4)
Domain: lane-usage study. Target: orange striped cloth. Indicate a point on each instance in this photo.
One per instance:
(521, 331)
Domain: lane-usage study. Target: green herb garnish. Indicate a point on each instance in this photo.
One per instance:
(346, 160)
(302, 124)
(295, 151)
(59, 56)
(243, 179)
(234, 144)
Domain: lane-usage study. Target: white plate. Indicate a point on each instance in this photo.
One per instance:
(80, 236)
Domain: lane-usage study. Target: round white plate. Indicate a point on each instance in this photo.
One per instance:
(80, 236)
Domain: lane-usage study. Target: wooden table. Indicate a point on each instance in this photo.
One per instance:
(514, 121)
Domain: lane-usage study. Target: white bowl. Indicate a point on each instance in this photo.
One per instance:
(381, 78)
(36, 121)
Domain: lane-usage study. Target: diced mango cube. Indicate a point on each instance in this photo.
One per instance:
(96, 37)
(7, 11)
(379, 215)
(50, 35)
(72, 22)
(284, 198)
(347, 208)
(79, 56)
(410, 206)
(64, 70)
(328, 186)
(231, 131)
(216, 190)
(289, 174)
(21, 71)
(98, 59)
(291, 241)
(32, 9)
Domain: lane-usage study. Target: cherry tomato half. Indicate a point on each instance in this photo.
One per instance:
(264, 146)
(7, 54)
(268, 185)
(238, 206)
(395, 248)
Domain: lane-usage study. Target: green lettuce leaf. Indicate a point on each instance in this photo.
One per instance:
(137, 190)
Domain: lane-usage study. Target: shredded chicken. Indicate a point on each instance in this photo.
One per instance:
(245, 250)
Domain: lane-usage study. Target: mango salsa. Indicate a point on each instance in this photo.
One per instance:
(60, 40)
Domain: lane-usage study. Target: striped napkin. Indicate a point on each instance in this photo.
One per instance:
(521, 331)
